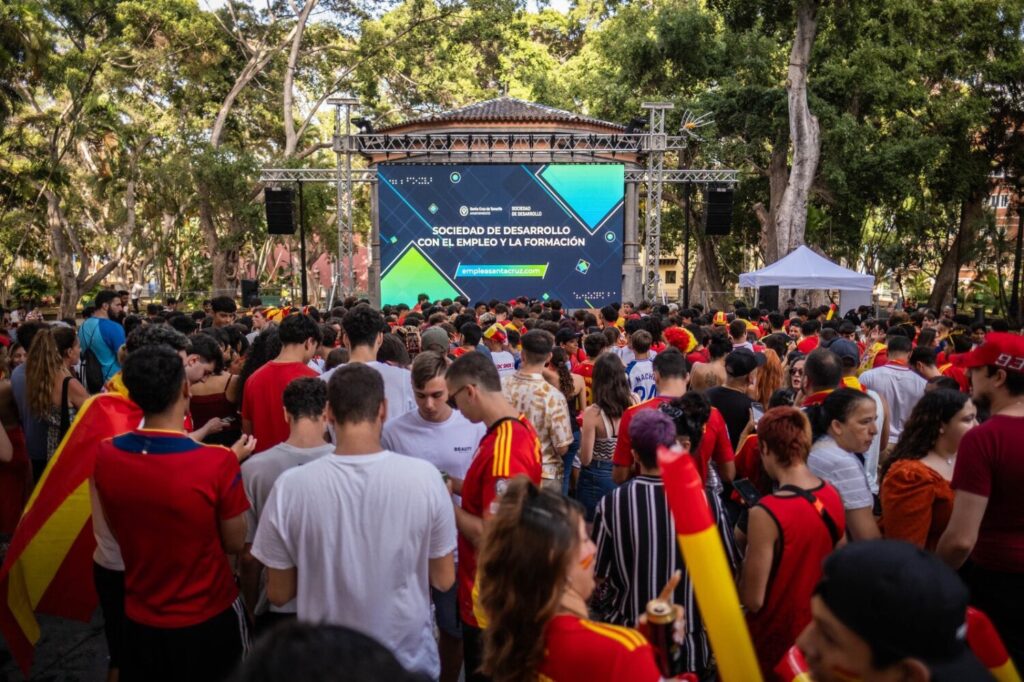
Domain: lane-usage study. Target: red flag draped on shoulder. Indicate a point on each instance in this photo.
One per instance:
(49, 563)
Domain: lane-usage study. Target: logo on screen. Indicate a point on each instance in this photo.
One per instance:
(463, 211)
(456, 178)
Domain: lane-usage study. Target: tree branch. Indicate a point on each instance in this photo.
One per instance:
(344, 74)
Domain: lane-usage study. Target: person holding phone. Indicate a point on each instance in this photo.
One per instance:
(789, 534)
(216, 396)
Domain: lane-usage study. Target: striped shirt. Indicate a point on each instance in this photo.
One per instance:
(637, 553)
(843, 470)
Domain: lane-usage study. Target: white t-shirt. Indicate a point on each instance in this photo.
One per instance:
(360, 530)
(640, 374)
(625, 354)
(900, 387)
(448, 445)
(874, 452)
(107, 553)
(504, 361)
(397, 387)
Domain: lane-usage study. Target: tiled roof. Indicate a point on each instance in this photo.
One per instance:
(506, 110)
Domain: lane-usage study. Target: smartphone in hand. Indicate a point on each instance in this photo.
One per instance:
(747, 491)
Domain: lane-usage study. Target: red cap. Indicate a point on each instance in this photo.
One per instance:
(1000, 349)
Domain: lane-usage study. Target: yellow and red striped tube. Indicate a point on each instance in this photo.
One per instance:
(793, 667)
(705, 560)
(988, 646)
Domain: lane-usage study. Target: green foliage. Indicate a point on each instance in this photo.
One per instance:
(102, 100)
(29, 287)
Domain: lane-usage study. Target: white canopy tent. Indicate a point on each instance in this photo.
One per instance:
(804, 269)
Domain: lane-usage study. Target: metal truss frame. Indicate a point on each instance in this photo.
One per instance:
(695, 176)
(494, 147)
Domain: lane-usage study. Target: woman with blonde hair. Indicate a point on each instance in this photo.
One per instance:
(54, 393)
(536, 573)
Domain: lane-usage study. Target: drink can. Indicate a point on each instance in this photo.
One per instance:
(661, 624)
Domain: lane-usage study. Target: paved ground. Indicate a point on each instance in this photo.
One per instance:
(68, 651)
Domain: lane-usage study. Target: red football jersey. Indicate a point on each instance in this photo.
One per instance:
(163, 496)
(580, 650)
(261, 402)
(714, 444)
(586, 370)
(509, 448)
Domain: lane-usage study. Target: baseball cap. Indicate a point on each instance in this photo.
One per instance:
(435, 336)
(720, 318)
(846, 350)
(905, 603)
(565, 335)
(496, 333)
(1000, 349)
(742, 362)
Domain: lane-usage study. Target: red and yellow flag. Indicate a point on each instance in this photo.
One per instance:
(49, 563)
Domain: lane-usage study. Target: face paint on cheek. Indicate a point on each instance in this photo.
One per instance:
(587, 561)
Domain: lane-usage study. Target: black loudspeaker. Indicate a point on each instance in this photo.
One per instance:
(717, 212)
(250, 290)
(768, 298)
(280, 216)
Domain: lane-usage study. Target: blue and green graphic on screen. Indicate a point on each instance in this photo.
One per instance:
(501, 231)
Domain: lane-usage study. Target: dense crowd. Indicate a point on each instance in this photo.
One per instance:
(452, 489)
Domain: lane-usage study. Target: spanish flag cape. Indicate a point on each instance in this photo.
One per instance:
(48, 568)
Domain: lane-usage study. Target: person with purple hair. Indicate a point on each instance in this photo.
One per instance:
(635, 536)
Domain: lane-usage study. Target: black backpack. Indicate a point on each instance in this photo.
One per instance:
(92, 370)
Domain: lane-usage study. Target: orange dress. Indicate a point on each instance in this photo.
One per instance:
(916, 503)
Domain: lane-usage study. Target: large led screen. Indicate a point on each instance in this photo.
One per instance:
(550, 232)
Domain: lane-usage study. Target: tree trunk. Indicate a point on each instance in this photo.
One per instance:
(707, 276)
(291, 138)
(791, 218)
(221, 263)
(778, 176)
(972, 214)
(72, 284)
(69, 292)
